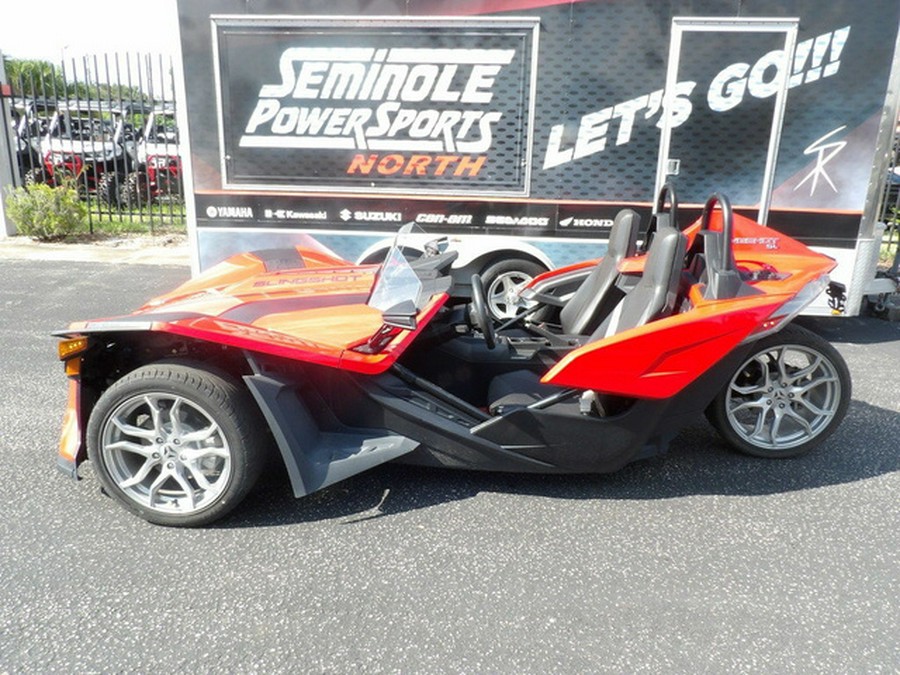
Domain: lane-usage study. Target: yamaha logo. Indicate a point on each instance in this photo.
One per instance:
(234, 212)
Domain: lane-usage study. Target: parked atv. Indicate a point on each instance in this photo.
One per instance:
(86, 145)
(157, 175)
(26, 131)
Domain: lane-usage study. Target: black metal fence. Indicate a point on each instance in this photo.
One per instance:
(105, 125)
(890, 207)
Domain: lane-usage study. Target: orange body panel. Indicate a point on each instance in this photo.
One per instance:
(70, 437)
(659, 359)
(322, 336)
(239, 268)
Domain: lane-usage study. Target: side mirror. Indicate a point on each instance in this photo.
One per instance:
(401, 315)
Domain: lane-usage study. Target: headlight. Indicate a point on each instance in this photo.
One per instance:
(786, 313)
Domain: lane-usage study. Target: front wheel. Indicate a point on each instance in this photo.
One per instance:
(134, 191)
(176, 444)
(786, 398)
(108, 189)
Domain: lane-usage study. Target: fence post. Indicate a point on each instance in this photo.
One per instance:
(6, 152)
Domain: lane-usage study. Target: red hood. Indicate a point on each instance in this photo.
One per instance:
(293, 302)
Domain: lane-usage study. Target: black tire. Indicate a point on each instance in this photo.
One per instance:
(500, 277)
(134, 191)
(108, 188)
(170, 188)
(34, 176)
(185, 470)
(786, 398)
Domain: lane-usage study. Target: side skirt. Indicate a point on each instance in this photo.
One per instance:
(315, 458)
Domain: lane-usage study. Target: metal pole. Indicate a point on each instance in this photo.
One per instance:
(7, 228)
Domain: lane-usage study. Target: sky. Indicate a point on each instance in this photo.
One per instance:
(55, 29)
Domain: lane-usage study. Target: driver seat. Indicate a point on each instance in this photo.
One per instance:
(653, 298)
(598, 294)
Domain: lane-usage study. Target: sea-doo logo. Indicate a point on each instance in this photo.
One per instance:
(517, 221)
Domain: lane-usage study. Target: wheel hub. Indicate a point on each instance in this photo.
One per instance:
(783, 397)
(166, 453)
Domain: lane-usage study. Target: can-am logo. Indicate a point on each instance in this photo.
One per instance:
(371, 99)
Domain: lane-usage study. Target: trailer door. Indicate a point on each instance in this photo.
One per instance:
(735, 74)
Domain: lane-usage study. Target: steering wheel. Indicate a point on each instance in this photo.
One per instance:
(480, 312)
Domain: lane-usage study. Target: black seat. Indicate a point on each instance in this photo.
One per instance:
(655, 294)
(654, 297)
(599, 294)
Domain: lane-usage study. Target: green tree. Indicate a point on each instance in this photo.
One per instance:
(34, 78)
(42, 79)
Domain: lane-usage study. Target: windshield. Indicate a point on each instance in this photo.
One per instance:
(397, 282)
(85, 127)
(162, 130)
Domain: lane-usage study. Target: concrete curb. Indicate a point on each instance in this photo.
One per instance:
(138, 251)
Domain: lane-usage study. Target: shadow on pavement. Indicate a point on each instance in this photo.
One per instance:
(856, 330)
(698, 463)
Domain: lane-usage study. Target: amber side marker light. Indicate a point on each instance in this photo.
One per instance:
(72, 347)
(68, 350)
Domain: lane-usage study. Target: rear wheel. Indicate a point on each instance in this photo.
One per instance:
(786, 398)
(177, 444)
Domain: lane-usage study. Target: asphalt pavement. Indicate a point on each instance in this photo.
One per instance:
(699, 561)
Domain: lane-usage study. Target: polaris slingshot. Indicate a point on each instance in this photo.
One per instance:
(343, 367)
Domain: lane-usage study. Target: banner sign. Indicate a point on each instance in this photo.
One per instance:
(340, 104)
